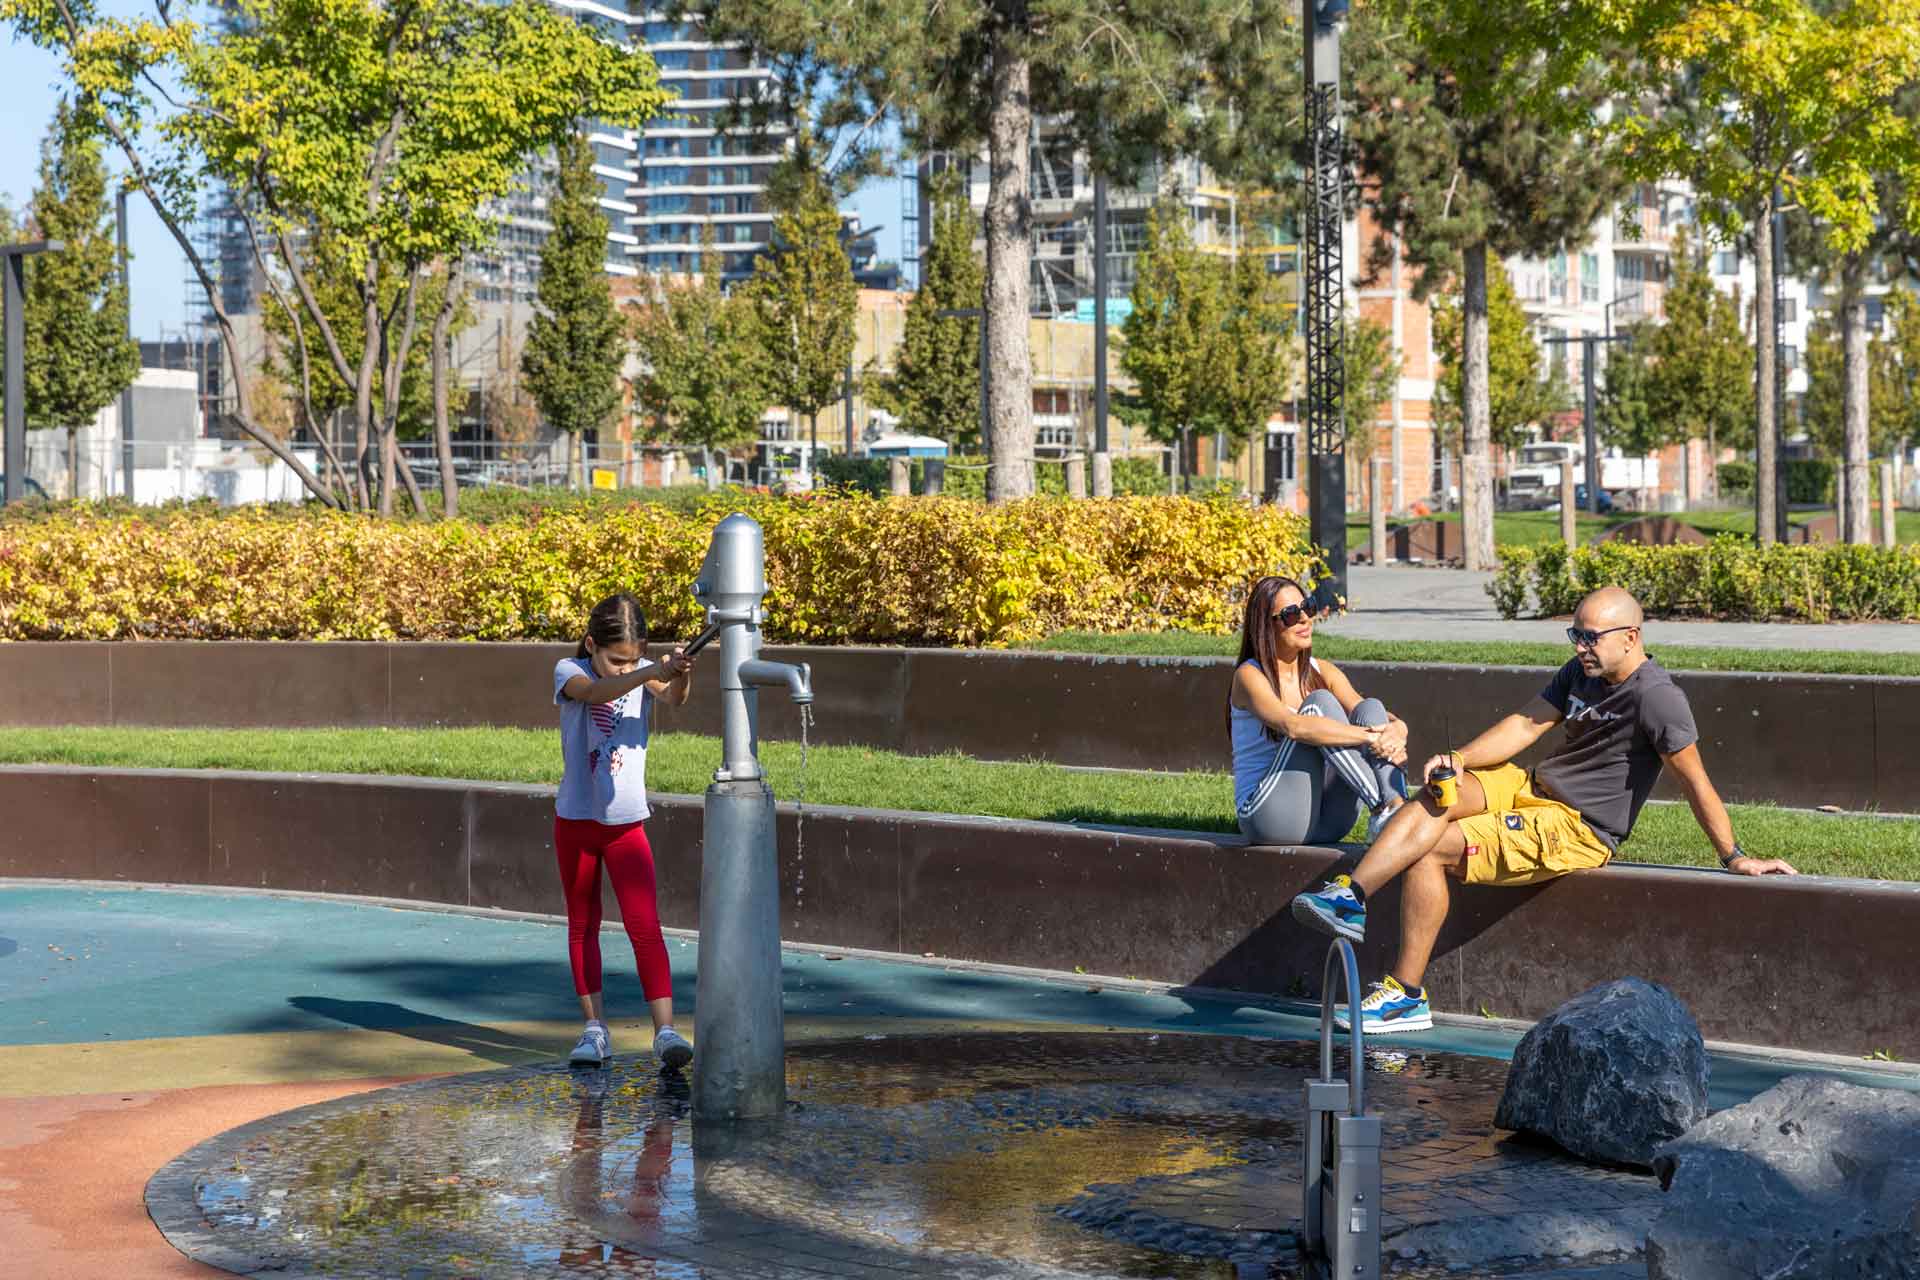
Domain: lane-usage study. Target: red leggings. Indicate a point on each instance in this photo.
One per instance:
(582, 845)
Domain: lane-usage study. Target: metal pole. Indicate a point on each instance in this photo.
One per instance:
(1326, 298)
(847, 400)
(16, 385)
(126, 392)
(1102, 463)
(1779, 373)
(1588, 347)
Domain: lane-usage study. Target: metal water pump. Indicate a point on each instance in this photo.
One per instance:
(739, 1068)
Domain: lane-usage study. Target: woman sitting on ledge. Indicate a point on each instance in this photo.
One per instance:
(1308, 751)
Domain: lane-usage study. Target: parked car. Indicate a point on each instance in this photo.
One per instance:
(1580, 500)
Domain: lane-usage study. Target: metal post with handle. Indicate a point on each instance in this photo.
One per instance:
(1340, 1182)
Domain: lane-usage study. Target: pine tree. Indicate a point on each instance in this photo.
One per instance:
(706, 376)
(1521, 392)
(79, 358)
(1704, 363)
(573, 356)
(935, 385)
(1457, 188)
(1255, 359)
(807, 301)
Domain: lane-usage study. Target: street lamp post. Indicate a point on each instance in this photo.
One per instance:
(13, 264)
(126, 392)
(1325, 289)
(1590, 344)
(1102, 462)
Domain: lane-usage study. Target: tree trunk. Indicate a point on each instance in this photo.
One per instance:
(713, 481)
(1009, 232)
(1855, 519)
(1476, 443)
(1766, 433)
(573, 455)
(389, 471)
(1713, 467)
(73, 462)
(442, 369)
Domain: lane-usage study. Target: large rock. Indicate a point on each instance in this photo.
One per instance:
(1609, 1075)
(1812, 1180)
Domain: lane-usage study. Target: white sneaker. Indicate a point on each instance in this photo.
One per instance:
(671, 1048)
(594, 1048)
(1378, 822)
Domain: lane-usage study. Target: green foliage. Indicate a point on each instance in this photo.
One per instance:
(1373, 372)
(1891, 395)
(79, 358)
(1728, 578)
(1253, 360)
(967, 478)
(1519, 397)
(1809, 480)
(1734, 479)
(807, 301)
(840, 569)
(574, 350)
(935, 385)
(706, 379)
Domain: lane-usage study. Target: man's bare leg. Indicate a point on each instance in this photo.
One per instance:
(1425, 896)
(1423, 842)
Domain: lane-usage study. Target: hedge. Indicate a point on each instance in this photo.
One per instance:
(1728, 577)
(966, 476)
(841, 569)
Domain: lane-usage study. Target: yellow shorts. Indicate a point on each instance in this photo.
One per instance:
(1523, 838)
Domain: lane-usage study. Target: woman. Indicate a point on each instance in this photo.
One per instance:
(1309, 753)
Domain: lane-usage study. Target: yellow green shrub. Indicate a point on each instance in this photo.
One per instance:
(840, 569)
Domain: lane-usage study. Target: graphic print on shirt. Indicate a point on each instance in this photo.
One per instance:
(606, 718)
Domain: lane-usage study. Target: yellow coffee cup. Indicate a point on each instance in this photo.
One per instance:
(1445, 786)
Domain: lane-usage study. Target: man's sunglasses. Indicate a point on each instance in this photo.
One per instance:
(1291, 615)
(1584, 639)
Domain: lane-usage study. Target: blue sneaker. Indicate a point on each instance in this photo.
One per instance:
(1333, 909)
(1388, 1008)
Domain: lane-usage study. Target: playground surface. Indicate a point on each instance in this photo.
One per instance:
(1056, 1122)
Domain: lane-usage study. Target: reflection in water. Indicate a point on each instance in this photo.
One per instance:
(964, 1156)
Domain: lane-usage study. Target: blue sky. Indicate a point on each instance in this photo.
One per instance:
(33, 83)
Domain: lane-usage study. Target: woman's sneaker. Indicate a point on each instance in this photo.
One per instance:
(1388, 1007)
(594, 1048)
(672, 1049)
(1333, 909)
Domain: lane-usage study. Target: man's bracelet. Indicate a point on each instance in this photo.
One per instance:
(1738, 853)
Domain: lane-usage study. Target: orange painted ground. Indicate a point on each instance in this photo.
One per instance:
(74, 1170)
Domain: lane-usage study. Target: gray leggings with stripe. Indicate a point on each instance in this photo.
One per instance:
(1312, 795)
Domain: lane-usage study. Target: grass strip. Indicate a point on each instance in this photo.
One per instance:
(1868, 846)
(1191, 644)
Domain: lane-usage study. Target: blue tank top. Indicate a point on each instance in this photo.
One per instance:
(1253, 747)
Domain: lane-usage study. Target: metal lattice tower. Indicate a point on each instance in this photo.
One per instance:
(1325, 289)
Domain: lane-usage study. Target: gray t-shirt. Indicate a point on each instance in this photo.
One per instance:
(1617, 735)
(603, 751)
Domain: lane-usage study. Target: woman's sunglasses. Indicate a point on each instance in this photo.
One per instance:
(1291, 615)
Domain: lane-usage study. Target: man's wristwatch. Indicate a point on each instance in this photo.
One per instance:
(1728, 860)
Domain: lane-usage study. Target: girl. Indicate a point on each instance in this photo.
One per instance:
(605, 694)
(1308, 751)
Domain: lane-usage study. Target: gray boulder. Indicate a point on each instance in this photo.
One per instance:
(1812, 1180)
(1609, 1075)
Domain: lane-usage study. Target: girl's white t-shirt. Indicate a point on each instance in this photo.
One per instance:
(603, 751)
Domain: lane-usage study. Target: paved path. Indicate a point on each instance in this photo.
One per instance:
(137, 1024)
(1396, 603)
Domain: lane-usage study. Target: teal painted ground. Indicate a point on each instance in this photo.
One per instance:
(102, 965)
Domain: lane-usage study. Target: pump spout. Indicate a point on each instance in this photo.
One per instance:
(797, 678)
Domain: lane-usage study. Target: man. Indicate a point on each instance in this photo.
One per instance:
(1625, 718)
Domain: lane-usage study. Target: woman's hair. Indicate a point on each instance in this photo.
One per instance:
(615, 620)
(1257, 641)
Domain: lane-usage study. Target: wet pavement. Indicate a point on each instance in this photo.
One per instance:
(971, 1156)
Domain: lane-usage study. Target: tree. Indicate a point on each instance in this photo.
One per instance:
(1827, 402)
(79, 358)
(1688, 378)
(1455, 185)
(935, 384)
(1115, 82)
(807, 302)
(706, 367)
(385, 128)
(1254, 362)
(1520, 391)
(573, 354)
(1372, 365)
(1796, 97)
(1167, 341)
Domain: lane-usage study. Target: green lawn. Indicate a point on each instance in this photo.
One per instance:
(1848, 845)
(1532, 528)
(1190, 644)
